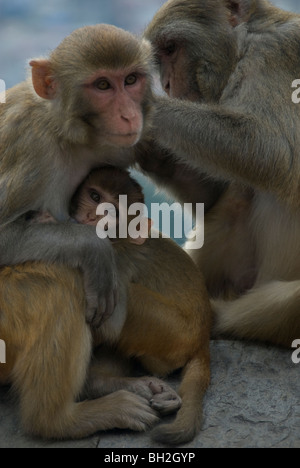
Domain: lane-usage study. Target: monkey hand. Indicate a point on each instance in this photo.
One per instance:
(154, 159)
(162, 397)
(100, 280)
(74, 245)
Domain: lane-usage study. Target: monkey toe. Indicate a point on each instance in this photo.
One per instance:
(136, 413)
(165, 400)
(165, 403)
(156, 387)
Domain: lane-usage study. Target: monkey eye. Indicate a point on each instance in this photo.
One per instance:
(102, 84)
(170, 49)
(131, 80)
(95, 196)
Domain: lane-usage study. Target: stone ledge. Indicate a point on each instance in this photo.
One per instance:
(253, 401)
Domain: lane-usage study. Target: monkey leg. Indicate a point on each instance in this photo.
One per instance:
(268, 313)
(43, 323)
(157, 331)
(195, 382)
(165, 337)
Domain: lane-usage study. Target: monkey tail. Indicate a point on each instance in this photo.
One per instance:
(267, 313)
(195, 381)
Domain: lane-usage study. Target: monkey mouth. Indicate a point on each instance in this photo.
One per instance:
(126, 139)
(125, 135)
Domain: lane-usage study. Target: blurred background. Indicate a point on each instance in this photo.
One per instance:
(31, 28)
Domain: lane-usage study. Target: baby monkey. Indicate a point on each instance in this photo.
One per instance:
(164, 315)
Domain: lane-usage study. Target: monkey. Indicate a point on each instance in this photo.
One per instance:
(166, 317)
(227, 67)
(89, 100)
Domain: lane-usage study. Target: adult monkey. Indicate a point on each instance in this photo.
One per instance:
(91, 97)
(236, 60)
(88, 100)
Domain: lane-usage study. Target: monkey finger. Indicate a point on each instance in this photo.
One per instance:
(91, 308)
(99, 314)
(111, 303)
(108, 307)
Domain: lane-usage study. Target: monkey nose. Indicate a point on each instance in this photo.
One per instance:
(128, 115)
(92, 217)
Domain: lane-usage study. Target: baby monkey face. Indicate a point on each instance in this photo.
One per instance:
(114, 203)
(88, 200)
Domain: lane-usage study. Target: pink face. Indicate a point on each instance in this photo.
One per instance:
(113, 100)
(117, 96)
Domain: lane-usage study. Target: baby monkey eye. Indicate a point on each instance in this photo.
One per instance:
(131, 80)
(95, 196)
(103, 85)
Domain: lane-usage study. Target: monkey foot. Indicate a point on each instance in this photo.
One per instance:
(165, 400)
(162, 397)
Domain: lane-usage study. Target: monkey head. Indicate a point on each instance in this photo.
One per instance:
(104, 186)
(98, 83)
(195, 45)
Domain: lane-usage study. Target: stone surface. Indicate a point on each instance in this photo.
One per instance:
(253, 401)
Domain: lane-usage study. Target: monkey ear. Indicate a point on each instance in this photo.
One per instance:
(240, 11)
(145, 228)
(43, 83)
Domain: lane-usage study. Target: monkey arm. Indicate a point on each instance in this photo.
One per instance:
(178, 178)
(74, 245)
(229, 144)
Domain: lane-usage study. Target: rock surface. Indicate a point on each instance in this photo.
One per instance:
(253, 401)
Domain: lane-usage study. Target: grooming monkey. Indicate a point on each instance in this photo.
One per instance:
(166, 320)
(228, 67)
(91, 97)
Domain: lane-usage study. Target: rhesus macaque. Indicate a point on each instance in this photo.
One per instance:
(92, 94)
(89, 98)
(228, 67)
(167, 316)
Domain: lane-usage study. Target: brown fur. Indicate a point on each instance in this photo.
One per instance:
(49, 349)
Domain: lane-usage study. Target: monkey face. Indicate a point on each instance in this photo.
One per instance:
(98, 80)
(115, 99)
